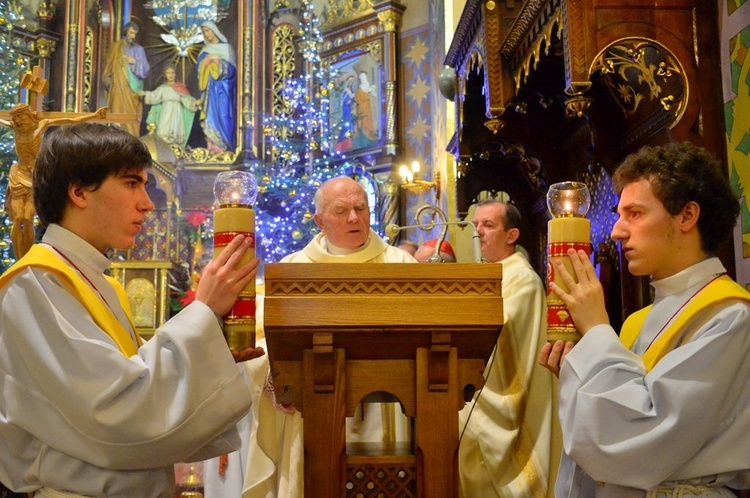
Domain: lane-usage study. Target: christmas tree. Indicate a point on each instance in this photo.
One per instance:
(300, 155)
(12, 66)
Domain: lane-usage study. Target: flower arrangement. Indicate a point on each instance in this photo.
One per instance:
(192, 224)
(195, 230)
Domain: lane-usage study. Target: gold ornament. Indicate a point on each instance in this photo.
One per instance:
(324, 92)
(265, 179)
(296, 234)
(292, 193)
(307, 216)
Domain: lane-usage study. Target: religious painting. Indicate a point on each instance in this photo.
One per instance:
(355, 102)
(176, 67)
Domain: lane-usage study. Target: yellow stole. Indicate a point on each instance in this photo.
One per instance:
(720, 289)
(41, 257)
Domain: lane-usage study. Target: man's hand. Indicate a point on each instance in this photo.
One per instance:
(247, 354)
(223, 279)
(552, 356)
(585, 298)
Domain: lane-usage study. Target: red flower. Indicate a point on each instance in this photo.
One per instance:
(196, 218)
(187, 298)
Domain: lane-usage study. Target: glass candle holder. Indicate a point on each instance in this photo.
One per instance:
(568, 203)
(236, 193)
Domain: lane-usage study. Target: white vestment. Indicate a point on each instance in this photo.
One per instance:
(77, 415)
(228, 482)
(275, 465)
(685, 422)
(175, 116)
(505, 448)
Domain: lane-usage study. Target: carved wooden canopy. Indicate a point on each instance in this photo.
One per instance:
(566, 84)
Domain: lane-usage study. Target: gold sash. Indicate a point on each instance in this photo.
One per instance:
(721, 289)
(41, 257)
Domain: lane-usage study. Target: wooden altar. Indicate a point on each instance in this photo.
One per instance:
(337, 333)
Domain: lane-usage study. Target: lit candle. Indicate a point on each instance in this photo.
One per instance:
(405, 173)
(235, 193)
(568, 202)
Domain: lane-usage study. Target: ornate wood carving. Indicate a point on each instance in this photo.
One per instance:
(376, 287)
(553, 27)
(493, 73)
(642, 73)
(88, 67)
(524, 23)
(575, 37)
(70, 87)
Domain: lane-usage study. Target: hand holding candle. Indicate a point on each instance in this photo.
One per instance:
(568, 202)
(236, 192)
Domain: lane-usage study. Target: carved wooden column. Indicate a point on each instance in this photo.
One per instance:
(495, 90)
(578, 47)
(75, 42)
(389, 17)
(253, 77)
(435, 425)
(324, 401)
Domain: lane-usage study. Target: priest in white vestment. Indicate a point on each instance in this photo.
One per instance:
(275, 466)
(506, 442)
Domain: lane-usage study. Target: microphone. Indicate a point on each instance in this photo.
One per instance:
(392, 230)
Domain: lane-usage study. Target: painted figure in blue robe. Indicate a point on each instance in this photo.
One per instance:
(344, 141)
(217, 82)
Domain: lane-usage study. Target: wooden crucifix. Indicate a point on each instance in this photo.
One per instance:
(29, 125)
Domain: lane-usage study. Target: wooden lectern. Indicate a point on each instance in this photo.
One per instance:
(421, 332)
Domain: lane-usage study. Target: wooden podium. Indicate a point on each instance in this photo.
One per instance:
(337, 333)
